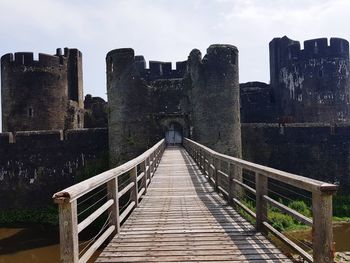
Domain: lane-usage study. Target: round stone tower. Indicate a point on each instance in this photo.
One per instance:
(128, 117)
(215, 99)
(36, 93)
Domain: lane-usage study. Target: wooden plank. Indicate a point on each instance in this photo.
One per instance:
(181, 219)
(182, 258)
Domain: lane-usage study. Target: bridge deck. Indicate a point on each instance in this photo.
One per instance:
(181, 219)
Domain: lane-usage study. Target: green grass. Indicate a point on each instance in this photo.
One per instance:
(341, 206)
(283, 222)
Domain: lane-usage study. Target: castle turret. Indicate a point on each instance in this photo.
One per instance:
(215, 98)
(35, 93)
(128, 106)
(311, 84)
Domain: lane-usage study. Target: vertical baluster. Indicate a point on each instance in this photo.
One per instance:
(135, 190)
(231, 184)
(112, 191)
(216, 173)
(322, 232)
(144, 178)
(261, 204)
(69, 248)
(148, 169)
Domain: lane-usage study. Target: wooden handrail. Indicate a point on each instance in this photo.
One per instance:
(322, 234)
(67, 201)
(292, 179)
(78, 190)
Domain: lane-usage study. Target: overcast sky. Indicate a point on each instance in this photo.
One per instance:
(166, 30)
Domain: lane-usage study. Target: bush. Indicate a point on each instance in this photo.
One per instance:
(280, 221)
(300, 207)
(341, 206)
(47, 215)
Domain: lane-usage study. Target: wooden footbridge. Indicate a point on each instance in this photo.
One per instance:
(178, 204)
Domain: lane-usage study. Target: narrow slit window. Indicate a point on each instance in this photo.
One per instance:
(30, 112)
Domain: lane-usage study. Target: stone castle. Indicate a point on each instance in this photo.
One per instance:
(200, 99)
(305, 106)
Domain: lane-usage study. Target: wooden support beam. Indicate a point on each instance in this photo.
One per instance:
(112, 190)
(261, 204)
(69, 249)
(322, 231)
(135, 191)
(216, 173)
(144, 178)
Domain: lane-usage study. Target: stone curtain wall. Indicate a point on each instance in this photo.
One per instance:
(34, 165)
(318, 151)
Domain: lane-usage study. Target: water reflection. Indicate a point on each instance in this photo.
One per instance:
(37, 244)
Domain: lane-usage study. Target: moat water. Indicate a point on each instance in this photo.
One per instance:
(35, 244)
(39, 244)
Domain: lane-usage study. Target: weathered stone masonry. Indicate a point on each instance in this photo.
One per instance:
(42, 94)
(200, 98)
(35, 164)
(311, 84)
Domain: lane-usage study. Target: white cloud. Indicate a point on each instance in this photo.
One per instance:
(166, 30)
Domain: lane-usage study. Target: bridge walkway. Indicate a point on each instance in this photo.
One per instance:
(182, 219)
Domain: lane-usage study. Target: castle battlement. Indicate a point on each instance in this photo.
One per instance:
(27, 59)
(44, 60)
(290, 50)
(156, 70)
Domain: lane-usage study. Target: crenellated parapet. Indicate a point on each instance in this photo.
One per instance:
(27, 59)
(290, 51)
(156, 70)
(199, 98)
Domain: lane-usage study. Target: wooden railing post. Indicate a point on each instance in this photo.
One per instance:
(231, 185)
(135, 191)
(198, 160)
(216, 173)
(211, 165)
(69, 249)
(112, 190)
(151, 164)
(322, 232)
(144, 178)
(148, 169)
(261, 204)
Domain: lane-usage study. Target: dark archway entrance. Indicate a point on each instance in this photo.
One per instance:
(174, 134)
